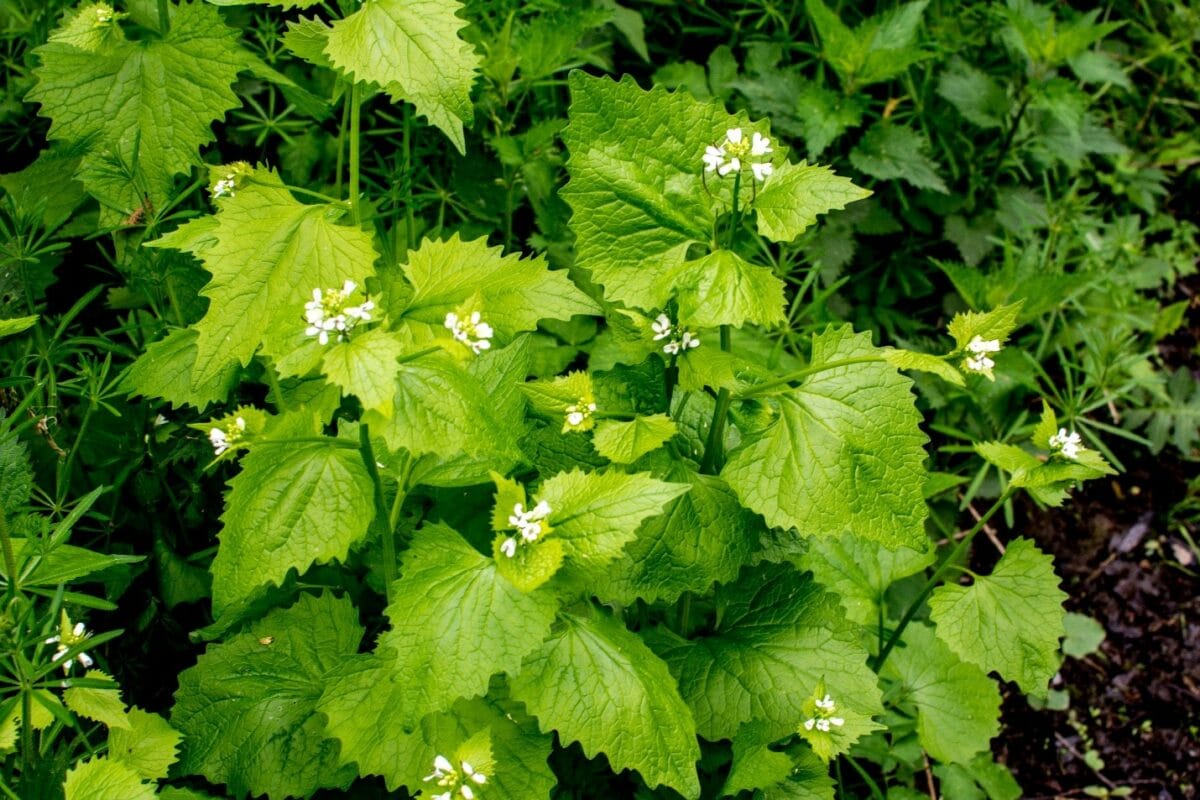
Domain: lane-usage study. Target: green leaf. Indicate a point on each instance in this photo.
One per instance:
(891, 152)
(105, 779)
(637, 187)
(247, 710)
(455, 623)
(1009, 621)
(595, 514)
(292, 505)
(515, 293)
(974, 93)
(926, 362)
(101, 705)
(267, 254)
(844, 453)
(860, 571)
(16, 476)
(413, 50)
(167, 369)
(286, 4)
(150, 746)
(596, 683)
(779, 636)
(793, 774)
(723, 289)
(1084, 635)
(365, 366)
(958, 707)
(157, 96)
(624, 442)
(793, 197)
(59, 563)
(9, 327)
(997, 324)
(877, 50)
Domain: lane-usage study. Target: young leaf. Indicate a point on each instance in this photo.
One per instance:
(167, 368)
(596, 683)
(365, 366)
(779, 636)
(839, 437)
(796, 194)
(595, 514)
(958, 707)
(997, 324)
(860, 571)
(891, 151)
(292, 505)
(149, 747)
(413, 50)
(796, 773)
(104, 779)
(1009, 621)
(102, 705)
(624, 442)
(247, 710)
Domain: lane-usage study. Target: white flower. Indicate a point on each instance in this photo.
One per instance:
(579, 416)
(476, 777)
(472, 331)
(509, 547)
(714, 158)
(978, 360)
(67, 638)
(760, 145)
(823, 718)
(761, 170)
(329, 312)
(529, 524)
(679, 339)
(661, 327)
(224, 438)
(1067, 442)
(449, 778)
(104, 15)
(728, 156)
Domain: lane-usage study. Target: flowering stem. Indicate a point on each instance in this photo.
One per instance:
(714, 445)
(947, 564)
(381, 511)
(355, 148)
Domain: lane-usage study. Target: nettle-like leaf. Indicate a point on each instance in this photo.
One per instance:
(149, 746)
(625, 441)
(1009, 621)
(166, 370)
(596, 683)
(958, 706)
(102, 705)
(103, 779)
(292, 505)
(795, 194)
(844, 453)
(514, 293)
(157, 96)
(413, 50)
(879, 49)
(860, 571)
(779, 637)
(997, 324)
(891, 152)
(796, 773)
(365, 366)
(267, 252)
(248, 709)
(722, 288)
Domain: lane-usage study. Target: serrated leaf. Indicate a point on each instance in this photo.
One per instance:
(159, 95)
(291, 506)
(412, 49)
(365, 366)
(596, 683)
(149, 746)
(101, 705)
(515, 293)
(779, 636)
(455, 623)
(997, 324)
(795, 773)
(793, 197)
(890, 152)
(105, 779)
(1008, 622)
(958, 707)
(247, 710)
(166, 370)
(724, 289)
(860, 571)
(974, 93)
(844, 453)
(595, 514)
(16, 475)
(625, 441)
(926, 362)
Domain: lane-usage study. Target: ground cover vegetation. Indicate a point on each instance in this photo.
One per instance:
(543, 399)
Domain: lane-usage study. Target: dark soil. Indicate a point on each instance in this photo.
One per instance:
(1136, 703)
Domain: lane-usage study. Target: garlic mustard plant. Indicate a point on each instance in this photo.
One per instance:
(455, 782)
(1067, 443)
(736, 151)
(471, 330)
(330, 312)
(678, 340)
(69, 636)
(227, 436)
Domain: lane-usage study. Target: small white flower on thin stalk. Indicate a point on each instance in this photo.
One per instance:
(729, 156)
(979, 359)
(224, 438)
(661, 327)
(224, 187)
(1068, 443)
(529, 524)
(823, 719)
(329, 312)
(578, 416)
(472, 331)
(679, 339)
(68, 637)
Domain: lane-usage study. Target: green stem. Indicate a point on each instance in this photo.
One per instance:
(10, 560)
(164, 18)
(355, 149)
(410, 217)
(947, 564)
(381, 511)
(274, 385)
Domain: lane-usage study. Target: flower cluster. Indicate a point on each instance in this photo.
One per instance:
(680, 340)
(449, 779)
(529, 524)
(104, 15)
(471, 331)
(224, 438)
(978, 359)
(1068, 443)
(330, 312)
(579, 415)
(69, 636)
(823, 718)
(231, 175)
(729, 155)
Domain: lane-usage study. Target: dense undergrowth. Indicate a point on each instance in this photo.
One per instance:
(569, 399)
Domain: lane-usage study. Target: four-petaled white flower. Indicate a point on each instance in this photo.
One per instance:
(823, 718)
(680, 340)
(330, 312)
(528, 524)
(579, 415)
(1067, 442)
(728, 156)
(979, 348)
(472, 331)
(67, 638)
(450, 779)
(224, 438)
(224, 187)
